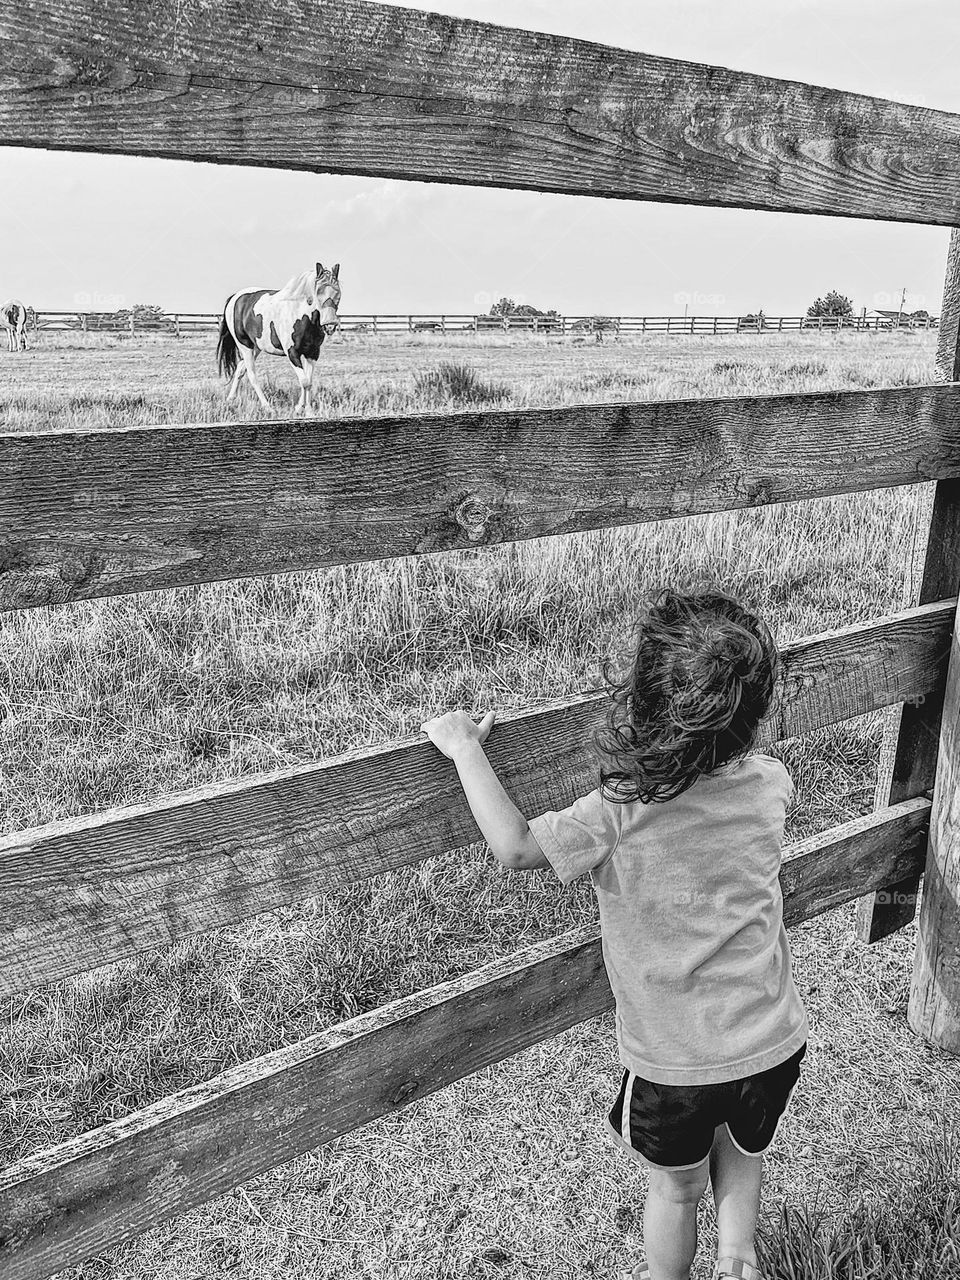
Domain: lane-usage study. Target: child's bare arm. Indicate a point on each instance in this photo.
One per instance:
(502, 824)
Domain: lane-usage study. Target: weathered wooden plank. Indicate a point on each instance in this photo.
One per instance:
(350, 87)
(81, 893)
(109, 1185)
(933, 1010)
(93, 513)
(912, 756)
(825, 870)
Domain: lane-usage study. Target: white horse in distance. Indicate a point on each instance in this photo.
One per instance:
(13, 318)
(291, 322)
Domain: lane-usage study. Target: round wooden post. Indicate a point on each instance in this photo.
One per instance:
(934, 1007)
(909, 755)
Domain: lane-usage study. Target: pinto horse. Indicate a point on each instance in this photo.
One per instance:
(291, 322)
(13, 318)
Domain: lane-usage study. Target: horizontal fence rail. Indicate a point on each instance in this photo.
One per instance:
(369, 89)
(80, 893)
(113, 1183)
(97, 513)
(181, 324)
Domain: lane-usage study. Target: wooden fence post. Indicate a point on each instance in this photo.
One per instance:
(909, 753)
(934, 1007)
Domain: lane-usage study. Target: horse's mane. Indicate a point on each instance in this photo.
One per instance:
(298, 286)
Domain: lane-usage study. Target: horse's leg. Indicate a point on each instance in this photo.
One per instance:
(303, 372)
(250, 360)
(306, 383)
(235, 381)
(302, 384)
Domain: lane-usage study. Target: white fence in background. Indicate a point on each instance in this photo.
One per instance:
(183, 323)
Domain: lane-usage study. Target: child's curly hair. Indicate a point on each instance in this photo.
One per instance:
(700, 681)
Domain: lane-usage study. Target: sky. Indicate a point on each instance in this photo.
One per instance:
(102, 232)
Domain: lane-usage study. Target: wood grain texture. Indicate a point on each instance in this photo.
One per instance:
(94, 513)
(914, 753)
(350, 87)
(934, 1006)
(95, 1191)
(84, 892)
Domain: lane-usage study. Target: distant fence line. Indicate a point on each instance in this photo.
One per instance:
(183, 323)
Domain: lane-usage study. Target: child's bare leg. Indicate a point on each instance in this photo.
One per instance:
(736, 1182)
(670, 1221)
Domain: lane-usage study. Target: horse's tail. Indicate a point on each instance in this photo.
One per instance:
(227, 354)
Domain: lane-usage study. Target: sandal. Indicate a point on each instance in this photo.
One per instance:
(737, 1269)
(734, 1268)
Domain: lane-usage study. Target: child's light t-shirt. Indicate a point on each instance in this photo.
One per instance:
(691, 919)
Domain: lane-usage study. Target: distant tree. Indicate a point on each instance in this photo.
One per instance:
(834, 304)
(146, 315)
(922, 314)
(507, 307)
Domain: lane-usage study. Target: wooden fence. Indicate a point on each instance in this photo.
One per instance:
(376, 90)
(182, 324)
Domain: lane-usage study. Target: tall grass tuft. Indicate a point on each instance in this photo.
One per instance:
(806, 369)
(459, 384)
(915, 1233)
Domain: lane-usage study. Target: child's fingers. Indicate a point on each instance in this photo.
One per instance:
(486, 724)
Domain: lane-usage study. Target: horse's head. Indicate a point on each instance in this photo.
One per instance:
(326, 295)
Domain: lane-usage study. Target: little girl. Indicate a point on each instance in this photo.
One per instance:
(682, 842)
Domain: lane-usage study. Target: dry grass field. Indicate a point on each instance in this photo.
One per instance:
(506, 1173)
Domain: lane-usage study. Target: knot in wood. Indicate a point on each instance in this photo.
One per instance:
(473, 516)
(404, 1091)
(26, 588)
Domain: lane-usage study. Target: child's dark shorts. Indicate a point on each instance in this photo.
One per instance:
(671, 1126)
